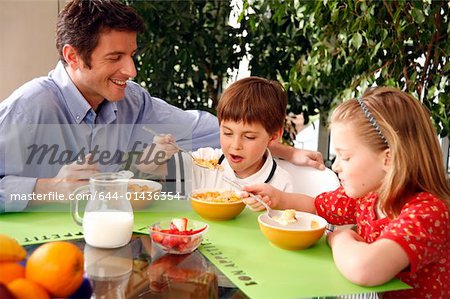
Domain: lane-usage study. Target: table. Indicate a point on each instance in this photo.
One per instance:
(236, 248)
(140, 270)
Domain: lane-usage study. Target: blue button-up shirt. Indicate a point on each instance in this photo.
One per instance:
(47, 123)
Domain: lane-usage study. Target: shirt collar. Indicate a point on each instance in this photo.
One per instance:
(260, 176)
(107, 112)
(77, 105)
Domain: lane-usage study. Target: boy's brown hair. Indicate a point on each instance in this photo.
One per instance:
(254, 100)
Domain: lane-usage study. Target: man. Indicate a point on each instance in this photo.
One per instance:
(87, 116)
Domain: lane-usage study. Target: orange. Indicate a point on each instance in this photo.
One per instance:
(58, 267)
(26, 289)
(10, 271)
(10, 250)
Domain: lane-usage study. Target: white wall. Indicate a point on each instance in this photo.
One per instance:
(27, 41)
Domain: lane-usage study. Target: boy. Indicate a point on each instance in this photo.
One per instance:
(251, 115)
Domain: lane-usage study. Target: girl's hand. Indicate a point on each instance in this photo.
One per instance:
(343, 235)
(353, 256)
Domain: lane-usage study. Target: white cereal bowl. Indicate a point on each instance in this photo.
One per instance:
(141, 193)
(308, 229)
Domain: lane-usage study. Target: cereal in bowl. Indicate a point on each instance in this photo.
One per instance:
(216, 196)
(286, 217)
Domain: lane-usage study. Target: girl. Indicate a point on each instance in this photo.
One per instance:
(393, 187)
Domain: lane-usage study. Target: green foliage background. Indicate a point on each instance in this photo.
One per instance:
(186, 50)
(322, 51)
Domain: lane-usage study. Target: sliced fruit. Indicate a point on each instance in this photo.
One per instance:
(177, 238)
(196, 231)
(157, 238)
(180, 223)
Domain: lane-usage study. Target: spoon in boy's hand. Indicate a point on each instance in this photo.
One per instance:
(200, 162)
(274, 214)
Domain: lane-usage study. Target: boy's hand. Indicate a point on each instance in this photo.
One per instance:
(265, 191)
(255, 205)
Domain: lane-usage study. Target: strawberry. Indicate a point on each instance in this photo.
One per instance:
(180, 223)
(177, 237)
(196, 231)
(157, 238)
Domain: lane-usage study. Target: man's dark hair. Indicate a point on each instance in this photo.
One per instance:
(81, 22)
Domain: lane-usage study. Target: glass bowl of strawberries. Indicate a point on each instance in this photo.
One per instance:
(178, 235)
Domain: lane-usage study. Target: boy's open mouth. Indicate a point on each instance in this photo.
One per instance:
(236, 158)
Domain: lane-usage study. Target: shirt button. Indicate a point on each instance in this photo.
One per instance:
(78, 117)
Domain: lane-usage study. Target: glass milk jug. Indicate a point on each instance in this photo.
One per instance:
(108, 216)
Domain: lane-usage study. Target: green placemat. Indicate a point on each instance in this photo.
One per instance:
(53, 222)
(34, 228)
(236, 247)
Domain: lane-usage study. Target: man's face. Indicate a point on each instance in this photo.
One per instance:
(111, 66)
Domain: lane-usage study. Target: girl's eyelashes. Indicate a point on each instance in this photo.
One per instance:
(342, 158)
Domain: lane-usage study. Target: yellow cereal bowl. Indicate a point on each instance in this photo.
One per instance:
(141, 193)
(215, 210)
(302, 234)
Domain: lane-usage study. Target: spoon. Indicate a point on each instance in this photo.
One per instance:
(271, 212)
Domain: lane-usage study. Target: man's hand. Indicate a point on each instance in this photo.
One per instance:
(308, 158)
(162, 150)
(69, 177)
(166, 144)
(298, 156)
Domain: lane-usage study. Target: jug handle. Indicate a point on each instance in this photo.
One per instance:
(74, 203)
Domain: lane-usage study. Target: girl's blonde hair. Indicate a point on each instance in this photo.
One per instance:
(402, 124)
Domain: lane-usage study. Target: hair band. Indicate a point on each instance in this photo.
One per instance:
(371, 119)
